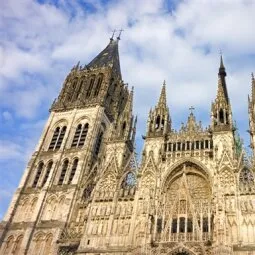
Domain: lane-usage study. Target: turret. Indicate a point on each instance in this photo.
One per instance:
(159, 122)
(221, 108)
(97, 83)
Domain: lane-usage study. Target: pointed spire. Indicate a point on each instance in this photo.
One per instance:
(222, 87)
(162, 97)
(108, 57)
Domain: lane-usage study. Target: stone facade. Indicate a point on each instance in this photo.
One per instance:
(84, 193)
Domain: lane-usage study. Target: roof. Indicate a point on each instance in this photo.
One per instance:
(108, 57)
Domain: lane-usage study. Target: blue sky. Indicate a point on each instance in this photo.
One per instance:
(176, 41)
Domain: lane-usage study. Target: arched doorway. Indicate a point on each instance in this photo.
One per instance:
(186, 215)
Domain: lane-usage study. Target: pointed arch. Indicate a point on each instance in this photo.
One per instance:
(17, 246)
(33, 206)
(38, 174)
(73, 170)
(90, 88)
(227, 180)
(8, 245)
(98, 143)
(38, 243)
(108, 182)
(24, 209)
(48, 244)
(98, 85)
(47, 173)
(128, 184)
(80, 135)
(63, 172)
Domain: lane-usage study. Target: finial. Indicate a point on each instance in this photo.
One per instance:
(191, 109)
(113, 33)
(252, 76)
(121, 30)
(221, 59)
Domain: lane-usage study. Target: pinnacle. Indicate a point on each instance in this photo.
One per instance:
(162, 98)
(221, 62)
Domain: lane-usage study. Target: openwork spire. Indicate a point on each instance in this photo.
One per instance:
(222, 86)
(159, 122)
(221, 108)
(162, 97)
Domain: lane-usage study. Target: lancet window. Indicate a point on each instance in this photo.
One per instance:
(17, 245)
(98, 143)
(8, 245)
(80, 135)
(98, 85)
(57, 138)
(128, 185)
(73, 170)
(46, 176)
(38, 174)
(91, 83)
(63, 172)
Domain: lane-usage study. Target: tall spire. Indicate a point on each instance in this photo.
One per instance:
(222, 87)
(162, 97)
(108, 57)
(221, 108)
(159, 122)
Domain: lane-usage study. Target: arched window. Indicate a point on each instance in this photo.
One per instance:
(73, 170)
(8, 245)
(48, 245)
(221, 115)
(57, 138)
(80, 135)
(63, 172)
(123, 128)
(98, 143)
(98, 86)
(38, 174)
(128, 185)
(78, 88)
(92, 80)
(129, 181)
(46, 176)
(158, 122)
(54, 138)
(38, 242)
(17, 246)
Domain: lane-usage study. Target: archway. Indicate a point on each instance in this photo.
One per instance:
(186, 215)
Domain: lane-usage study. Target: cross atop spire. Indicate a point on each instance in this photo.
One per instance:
(120, 31)
(113, 33)
(192, 108)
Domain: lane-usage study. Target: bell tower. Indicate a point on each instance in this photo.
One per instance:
(91, 117)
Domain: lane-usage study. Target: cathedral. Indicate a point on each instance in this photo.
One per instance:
(83, 191)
